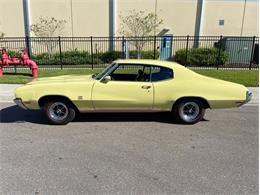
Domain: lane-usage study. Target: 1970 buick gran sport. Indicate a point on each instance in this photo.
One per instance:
(132, 86)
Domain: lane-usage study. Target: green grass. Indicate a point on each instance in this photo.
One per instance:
(248, 78)
(22, 77)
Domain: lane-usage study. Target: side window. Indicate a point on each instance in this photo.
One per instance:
(161, 73)
(129, 72)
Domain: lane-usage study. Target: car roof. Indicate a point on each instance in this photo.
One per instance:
(172, 65)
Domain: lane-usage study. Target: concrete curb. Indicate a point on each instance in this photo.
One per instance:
(7, 93)
(255, 98)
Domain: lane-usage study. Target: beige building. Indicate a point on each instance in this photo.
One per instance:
(95, 17)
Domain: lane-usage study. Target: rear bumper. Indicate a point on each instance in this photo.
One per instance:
(19, 103)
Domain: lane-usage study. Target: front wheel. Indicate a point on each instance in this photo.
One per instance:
(189, 111)
(59, 112)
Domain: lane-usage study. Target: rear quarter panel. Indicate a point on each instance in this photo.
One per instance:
(186, 83)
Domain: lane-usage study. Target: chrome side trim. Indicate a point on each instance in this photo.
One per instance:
(124, 110)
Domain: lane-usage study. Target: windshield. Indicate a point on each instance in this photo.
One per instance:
(103, 72)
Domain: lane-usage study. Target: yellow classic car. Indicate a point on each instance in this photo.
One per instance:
(132, 86)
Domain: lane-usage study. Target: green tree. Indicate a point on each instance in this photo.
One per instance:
(48, 27)
(139, 25)
(2, 35)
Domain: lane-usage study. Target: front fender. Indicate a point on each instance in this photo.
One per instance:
(78, 93)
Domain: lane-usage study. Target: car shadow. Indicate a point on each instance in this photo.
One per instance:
(15, 114)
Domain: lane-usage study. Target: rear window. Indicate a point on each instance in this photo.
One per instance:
(161, 73)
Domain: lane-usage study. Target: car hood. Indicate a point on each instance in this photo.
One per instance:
(61, 79)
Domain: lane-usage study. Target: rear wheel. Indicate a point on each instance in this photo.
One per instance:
(59, 112)
(189, 111)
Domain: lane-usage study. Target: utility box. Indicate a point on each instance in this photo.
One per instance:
(239, 49)
(166, 47)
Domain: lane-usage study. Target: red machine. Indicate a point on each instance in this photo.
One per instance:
(24, 61)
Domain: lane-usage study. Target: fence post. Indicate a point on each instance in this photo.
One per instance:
(61, 65)
(123, 56)
(92, 56)
(219, 51)
(252, 53)
(187, 48)
(154, 47)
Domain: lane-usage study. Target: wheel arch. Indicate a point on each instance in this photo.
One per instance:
(42, 100)
(204, 102)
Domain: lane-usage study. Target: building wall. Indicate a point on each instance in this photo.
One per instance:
(93, 17)
(11, 18)
(231, 11)
(94, 21)
(251, 24)
(179, 16)
(51, 8)
(84, 18)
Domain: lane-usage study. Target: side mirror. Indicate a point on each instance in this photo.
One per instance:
(106, 79)
(94, 75)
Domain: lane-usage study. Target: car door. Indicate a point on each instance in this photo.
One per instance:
(125, 92)
(164, 88)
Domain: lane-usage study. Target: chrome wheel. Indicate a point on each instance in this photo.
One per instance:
(58, 111)
(189, 111)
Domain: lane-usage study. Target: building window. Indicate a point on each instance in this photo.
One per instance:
(221, 22)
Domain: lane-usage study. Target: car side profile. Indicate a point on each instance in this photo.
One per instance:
(132, 86)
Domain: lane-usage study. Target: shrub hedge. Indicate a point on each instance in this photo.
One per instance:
(12, 53)
(202, 56)
(83, 57)
(195, 56)
(68, 57)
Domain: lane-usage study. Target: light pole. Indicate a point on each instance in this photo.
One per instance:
(243, 19)
(112, 23)
(155, 17)
(26, 14)
(199, 22)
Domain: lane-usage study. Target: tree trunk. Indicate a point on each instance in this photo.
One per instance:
(139, 54)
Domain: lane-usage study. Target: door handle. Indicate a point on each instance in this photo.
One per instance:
(146, 87)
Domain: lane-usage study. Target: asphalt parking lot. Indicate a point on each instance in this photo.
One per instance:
(129, 153)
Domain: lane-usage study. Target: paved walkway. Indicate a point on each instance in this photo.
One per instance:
(7, 93)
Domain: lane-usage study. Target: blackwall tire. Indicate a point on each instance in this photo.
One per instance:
(59, 112)
(189, 111)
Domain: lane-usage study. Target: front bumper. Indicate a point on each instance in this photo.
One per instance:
(249, 96)
(19, 103)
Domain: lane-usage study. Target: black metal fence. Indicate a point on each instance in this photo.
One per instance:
(96, 52)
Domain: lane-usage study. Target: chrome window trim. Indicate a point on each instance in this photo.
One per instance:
(164, 79)
(117, 65)
(109, 68)
(113, 67)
